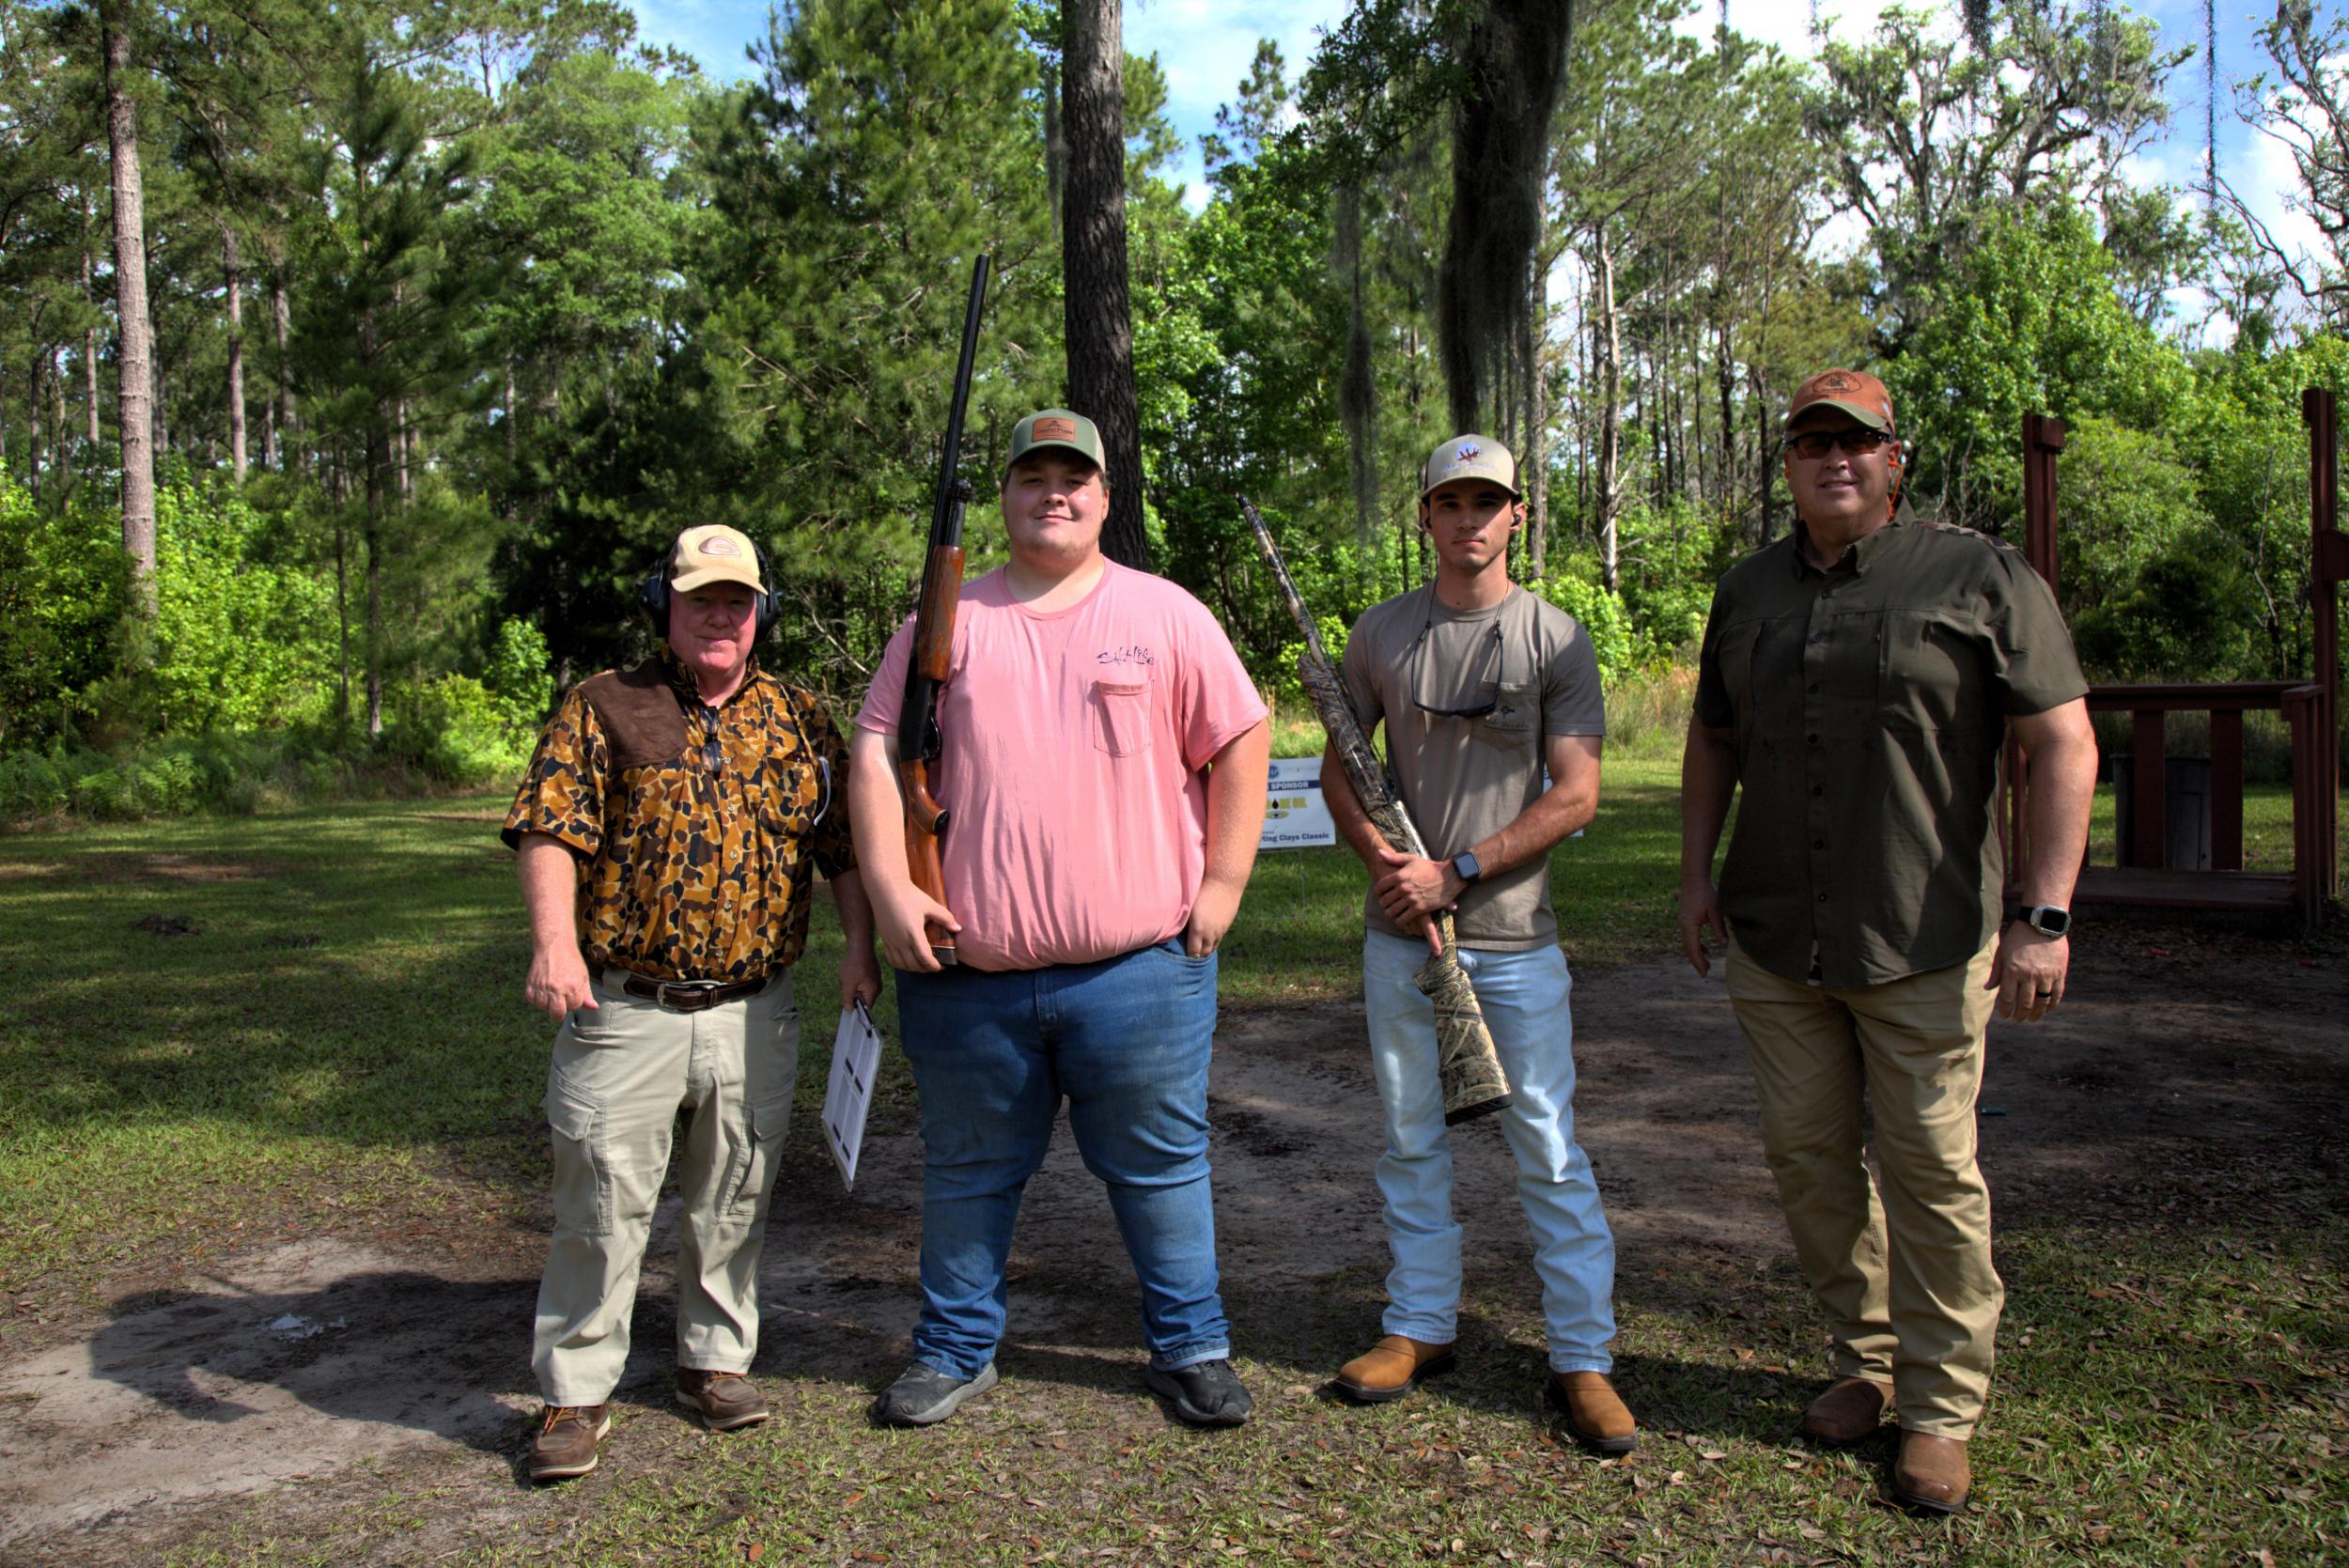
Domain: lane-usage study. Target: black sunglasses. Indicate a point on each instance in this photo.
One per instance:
(1481, 709)
(1814, 444)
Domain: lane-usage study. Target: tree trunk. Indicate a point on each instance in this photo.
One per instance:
(1533, 461)
(1055, 150)
(512, 435)
(33, 389)
(133, 366)
(379, 460)
(1607, 345)
(1763, 470)
(1096, 313)
(282, 306)
(235, 273)
(1358, 387)
(60, 443)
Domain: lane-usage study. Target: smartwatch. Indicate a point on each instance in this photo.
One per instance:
(2048, 920)
(1464, 866)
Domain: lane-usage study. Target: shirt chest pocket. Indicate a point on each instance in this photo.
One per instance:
(1922, 675)
(789, 794)
(1118, 713)
(1510, 725)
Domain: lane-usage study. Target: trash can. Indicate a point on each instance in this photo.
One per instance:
(2187, 788)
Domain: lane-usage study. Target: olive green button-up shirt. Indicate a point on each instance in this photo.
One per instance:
(1869, 705)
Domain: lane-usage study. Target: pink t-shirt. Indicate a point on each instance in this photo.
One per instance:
(1073, 744)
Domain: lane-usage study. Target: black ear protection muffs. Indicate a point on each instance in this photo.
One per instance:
(652, 594)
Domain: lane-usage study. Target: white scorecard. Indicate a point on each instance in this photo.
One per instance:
(855, 1060)
(1295, 815)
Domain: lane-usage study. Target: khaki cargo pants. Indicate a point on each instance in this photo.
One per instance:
(1900, 1264)
(621, 1074)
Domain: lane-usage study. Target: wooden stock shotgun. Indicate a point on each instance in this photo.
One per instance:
(918, 737)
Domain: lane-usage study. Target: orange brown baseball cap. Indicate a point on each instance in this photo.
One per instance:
(713, 553)
(1852, 391)
(1056, 427)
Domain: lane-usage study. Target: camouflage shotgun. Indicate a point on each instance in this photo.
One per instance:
(1473, 1083)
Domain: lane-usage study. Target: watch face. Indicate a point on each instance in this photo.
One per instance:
(2048, 921)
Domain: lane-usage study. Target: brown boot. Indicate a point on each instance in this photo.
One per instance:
(1598, 1419)
(1389, 1369)
(1931, 1473)
(567, 1440)
(725, 1399)
(1848, 1413)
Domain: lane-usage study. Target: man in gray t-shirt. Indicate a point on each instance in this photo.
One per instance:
(1482, 687)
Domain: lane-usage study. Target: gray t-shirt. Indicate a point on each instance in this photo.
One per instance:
(1466, 779)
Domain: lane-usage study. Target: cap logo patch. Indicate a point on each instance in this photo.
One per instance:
(1052, 430)
(1838, 381)
(1467, 449)
(717, 544)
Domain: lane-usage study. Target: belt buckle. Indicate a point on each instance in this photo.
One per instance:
(687, 996)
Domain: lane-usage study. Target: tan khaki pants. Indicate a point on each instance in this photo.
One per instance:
(1903, 1273)
(621, 1074)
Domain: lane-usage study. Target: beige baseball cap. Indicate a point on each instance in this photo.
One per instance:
(1469, 457)
(713, 553)
(1071, 432)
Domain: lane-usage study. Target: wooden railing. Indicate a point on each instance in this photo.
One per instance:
(2310, 711)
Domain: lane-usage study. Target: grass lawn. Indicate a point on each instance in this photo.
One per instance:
(221, 1031)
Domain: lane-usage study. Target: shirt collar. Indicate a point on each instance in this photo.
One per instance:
(689, 689)
(1859, 556)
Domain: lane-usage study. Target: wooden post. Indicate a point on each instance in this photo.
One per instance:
(2226, 789)
(2043, 438)
(2329, 566)
(2149, 794)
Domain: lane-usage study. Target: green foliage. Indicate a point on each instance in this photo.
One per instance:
(64, 585)
(1573, 588)
(454, 731)
(240, 642)
(2028, 323)
(518, 676)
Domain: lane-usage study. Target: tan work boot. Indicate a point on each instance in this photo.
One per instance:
(1389, 1369)
(1931, 1473)
(1849, 1412)
(1598, 1419)
(725, 1399)
(567, 1440)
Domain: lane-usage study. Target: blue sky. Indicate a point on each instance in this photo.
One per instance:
(1204, 46)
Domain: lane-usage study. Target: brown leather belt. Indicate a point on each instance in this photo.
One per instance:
(683, 996)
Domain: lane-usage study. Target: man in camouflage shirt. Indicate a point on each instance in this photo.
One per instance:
(669, 832)
(1858, 681)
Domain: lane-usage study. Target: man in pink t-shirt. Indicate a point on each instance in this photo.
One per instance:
(1103, 774)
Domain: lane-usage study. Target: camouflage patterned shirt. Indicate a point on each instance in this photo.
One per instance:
(697, 830)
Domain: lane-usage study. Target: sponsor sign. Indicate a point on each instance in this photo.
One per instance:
(1295, 815)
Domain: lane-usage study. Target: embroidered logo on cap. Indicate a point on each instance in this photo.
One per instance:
(1467, 449)
(1052, 430)
(717, 544)
(1838, 381)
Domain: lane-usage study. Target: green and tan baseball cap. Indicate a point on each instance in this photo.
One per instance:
(1469, 457)
(713, 553)
(1071, 432)
(1852, 391)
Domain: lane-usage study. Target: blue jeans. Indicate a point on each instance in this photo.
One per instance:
(1127, 1041)
(1524, 998)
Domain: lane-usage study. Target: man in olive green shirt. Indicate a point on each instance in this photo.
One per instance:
(1857, 680)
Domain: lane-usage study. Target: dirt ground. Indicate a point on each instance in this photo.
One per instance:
(304, 1379)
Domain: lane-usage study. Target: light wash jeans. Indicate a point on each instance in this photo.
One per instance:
(1126, 1042)
(1524, 996)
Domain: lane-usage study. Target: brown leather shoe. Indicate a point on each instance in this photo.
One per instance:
(1849, 1412)
(1389, 1369)
(1931, 1473)
(567, 1440)
(1598, 1419)
(725, 1399)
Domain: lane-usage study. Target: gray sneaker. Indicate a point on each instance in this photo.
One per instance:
(1205, 1393)
(923, 1395)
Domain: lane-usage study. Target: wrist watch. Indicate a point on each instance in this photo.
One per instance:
(1464, 867)
(2048, 920)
